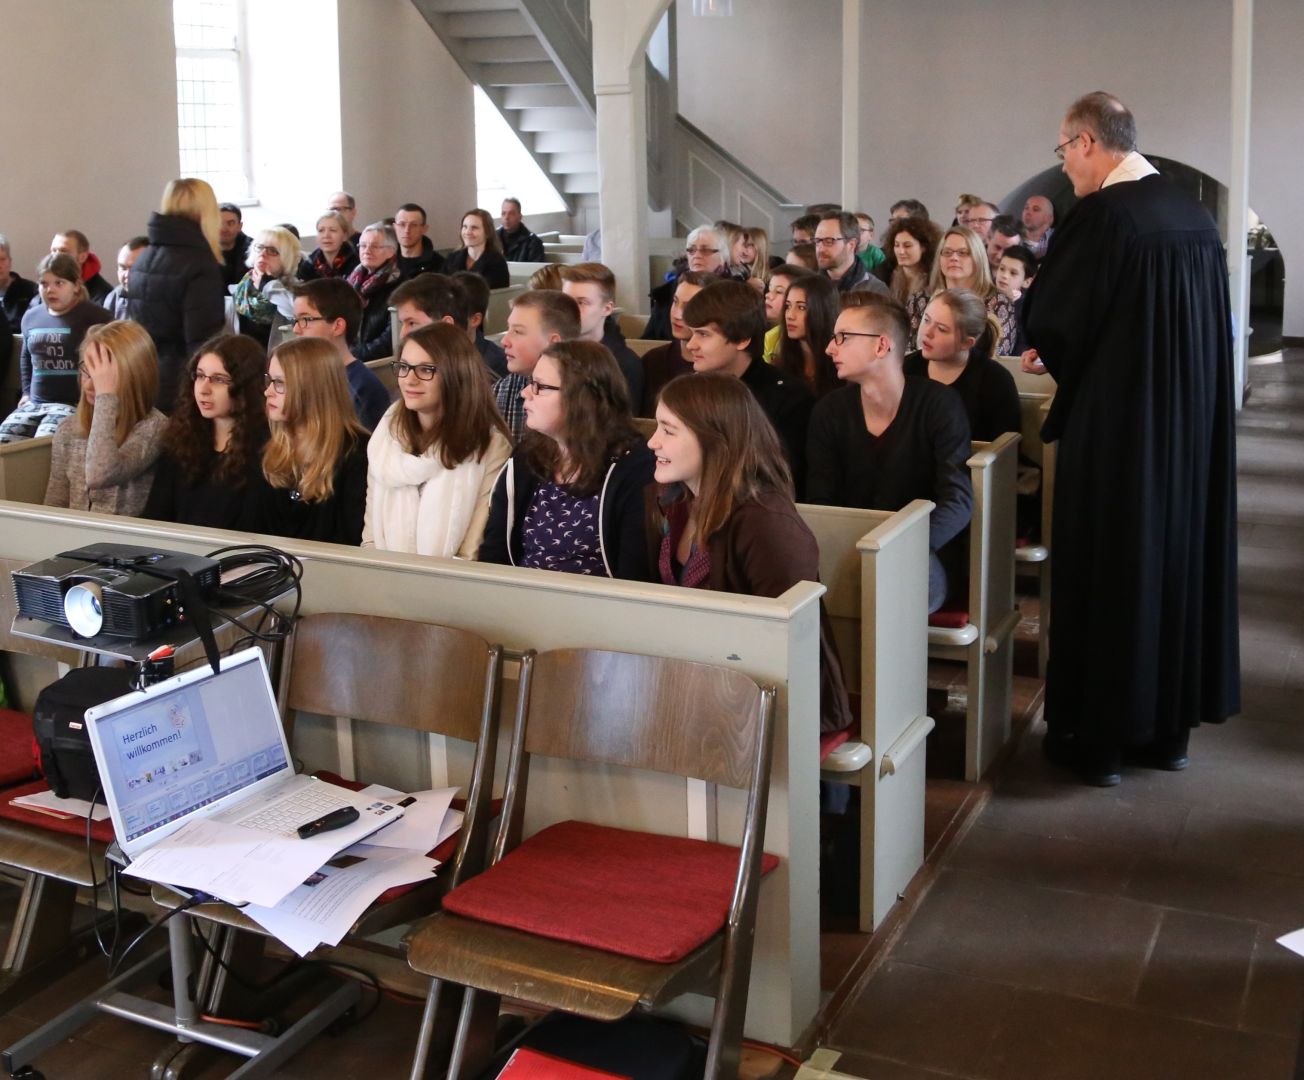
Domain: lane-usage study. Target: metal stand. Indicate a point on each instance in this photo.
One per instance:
(265, 1052)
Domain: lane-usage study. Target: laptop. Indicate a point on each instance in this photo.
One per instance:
(201, 744)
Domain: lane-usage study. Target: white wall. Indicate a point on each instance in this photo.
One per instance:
(89, 124)
(407, 121)
(930, 133)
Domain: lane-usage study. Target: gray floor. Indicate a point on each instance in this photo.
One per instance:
(1129, 932)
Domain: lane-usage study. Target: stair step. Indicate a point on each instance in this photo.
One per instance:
(577, 183)
(562, 142)
(569, 119)
(574, 162)
(482, 24)
(497, 50)
(520, 74)
(538, 96)
(462, 7)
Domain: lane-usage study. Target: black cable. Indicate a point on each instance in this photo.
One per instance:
(186, 904)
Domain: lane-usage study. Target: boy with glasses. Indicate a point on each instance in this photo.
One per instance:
(330, 309)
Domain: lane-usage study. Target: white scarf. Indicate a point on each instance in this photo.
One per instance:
(415, 504)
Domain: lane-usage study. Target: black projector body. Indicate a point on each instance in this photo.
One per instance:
(135, 603)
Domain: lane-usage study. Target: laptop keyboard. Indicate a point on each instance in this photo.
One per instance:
(286, 815)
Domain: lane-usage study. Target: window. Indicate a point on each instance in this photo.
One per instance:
(504, 167)
(211, 123)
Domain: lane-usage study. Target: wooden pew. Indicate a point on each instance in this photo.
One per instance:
(384, 370)
(773, 641)
(500, 303)
(643, 346)
(25, 469)
(519, 273)
(874, 565)
(632, 324)
(11, 389)
(985, 642)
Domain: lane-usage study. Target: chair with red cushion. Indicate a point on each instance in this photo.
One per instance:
(595, 920)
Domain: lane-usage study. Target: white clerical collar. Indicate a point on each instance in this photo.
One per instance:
(1132, 167)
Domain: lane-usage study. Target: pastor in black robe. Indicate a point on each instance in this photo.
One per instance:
(1130, 312)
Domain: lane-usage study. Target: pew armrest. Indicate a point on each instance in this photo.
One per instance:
(960, 636)
(1033, 553)
(906, 744)
(850, 757)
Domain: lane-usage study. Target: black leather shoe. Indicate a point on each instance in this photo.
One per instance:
(1168, 755)
(1101, 769)
(1060, 749)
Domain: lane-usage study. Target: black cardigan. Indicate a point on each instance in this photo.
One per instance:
(622, 529)
(337, 520)
(491, 266)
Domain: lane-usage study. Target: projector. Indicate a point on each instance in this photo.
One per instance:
(113, 589)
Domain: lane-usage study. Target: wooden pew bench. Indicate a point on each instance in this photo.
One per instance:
(874, 565)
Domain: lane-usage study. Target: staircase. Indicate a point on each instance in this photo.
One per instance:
(533, 58)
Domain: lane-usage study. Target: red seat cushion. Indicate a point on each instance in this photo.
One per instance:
(100, 830)
(831, 740)
(17, 750)
(949, 618)
(637, 894)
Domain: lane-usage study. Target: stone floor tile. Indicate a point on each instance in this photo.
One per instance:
(1217, 890)
(1050, 863)
(1274, 999)
(1199, 968)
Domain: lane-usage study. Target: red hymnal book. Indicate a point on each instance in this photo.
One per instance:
(527, 1064)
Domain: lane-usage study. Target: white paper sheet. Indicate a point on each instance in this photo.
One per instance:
(1294, 941)
(49, 801)
(425, 824)
(321, 910)
(236, 864)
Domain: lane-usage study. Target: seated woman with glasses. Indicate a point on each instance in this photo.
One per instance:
(374, 279)
(481, 252)
(810, 310)
(956, 336)
(104, 455)
(213, 442)
(962, 264)
(706, 252)
(313, 481)
(910, 245)
(335, 255)
(725, 518)
(571, 497)
(434, 457)
(263, 298)
(887, 439)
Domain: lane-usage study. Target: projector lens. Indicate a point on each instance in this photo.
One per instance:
(81, 604)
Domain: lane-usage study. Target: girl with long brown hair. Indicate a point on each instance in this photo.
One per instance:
(911, 248)
(725, 516)
(571, 497)
(481, 252)
(435, 455)
(810, 308)
(313, 484)
(104, 455)
(213, 443)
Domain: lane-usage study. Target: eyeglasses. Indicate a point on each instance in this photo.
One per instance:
(840, 336)
(276, 384)
(424, 372)
(978, 220)
(536, 387)
(701, 250)
(829, 241)
(266, 249)
(954, 253)
(1059, 150)
(306, 320)
(213, 380)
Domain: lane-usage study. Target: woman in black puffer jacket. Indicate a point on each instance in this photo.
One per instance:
(176, 289)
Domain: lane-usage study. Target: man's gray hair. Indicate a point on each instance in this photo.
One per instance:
(386, 230)
(1107, 118)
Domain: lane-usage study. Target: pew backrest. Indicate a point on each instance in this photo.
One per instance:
(25, 469)
(643, 346)
(500, 303)
(384, 371)
(993, 468)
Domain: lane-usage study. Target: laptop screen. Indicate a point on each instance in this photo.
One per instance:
(189, 742)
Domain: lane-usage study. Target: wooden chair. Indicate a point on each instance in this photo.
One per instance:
(874, 564)
(982, 634)
(635, 712)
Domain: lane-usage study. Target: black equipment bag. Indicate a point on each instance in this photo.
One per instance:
(59, 723)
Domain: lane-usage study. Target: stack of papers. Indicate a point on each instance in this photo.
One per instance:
(282, 881)
(47, 802)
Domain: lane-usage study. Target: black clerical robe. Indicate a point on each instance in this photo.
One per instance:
(1130, 312)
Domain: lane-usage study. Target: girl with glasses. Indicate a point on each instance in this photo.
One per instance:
(263, 298)
(103, 456)
(313, 482)
(724, 515)
(213, 443)
(435, 455)
(571, 497)
(962, 264)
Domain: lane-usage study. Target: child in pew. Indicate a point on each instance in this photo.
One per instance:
(571, 497)
(957, 335)
(724, 517)
(434, 457)
(313, 482)
(887, 439)
(1014, 273)
(52, 332)
(104, 455)
(213, 442)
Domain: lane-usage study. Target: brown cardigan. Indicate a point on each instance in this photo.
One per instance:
(763, 550)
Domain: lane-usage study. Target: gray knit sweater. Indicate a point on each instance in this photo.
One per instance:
(95, 473)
